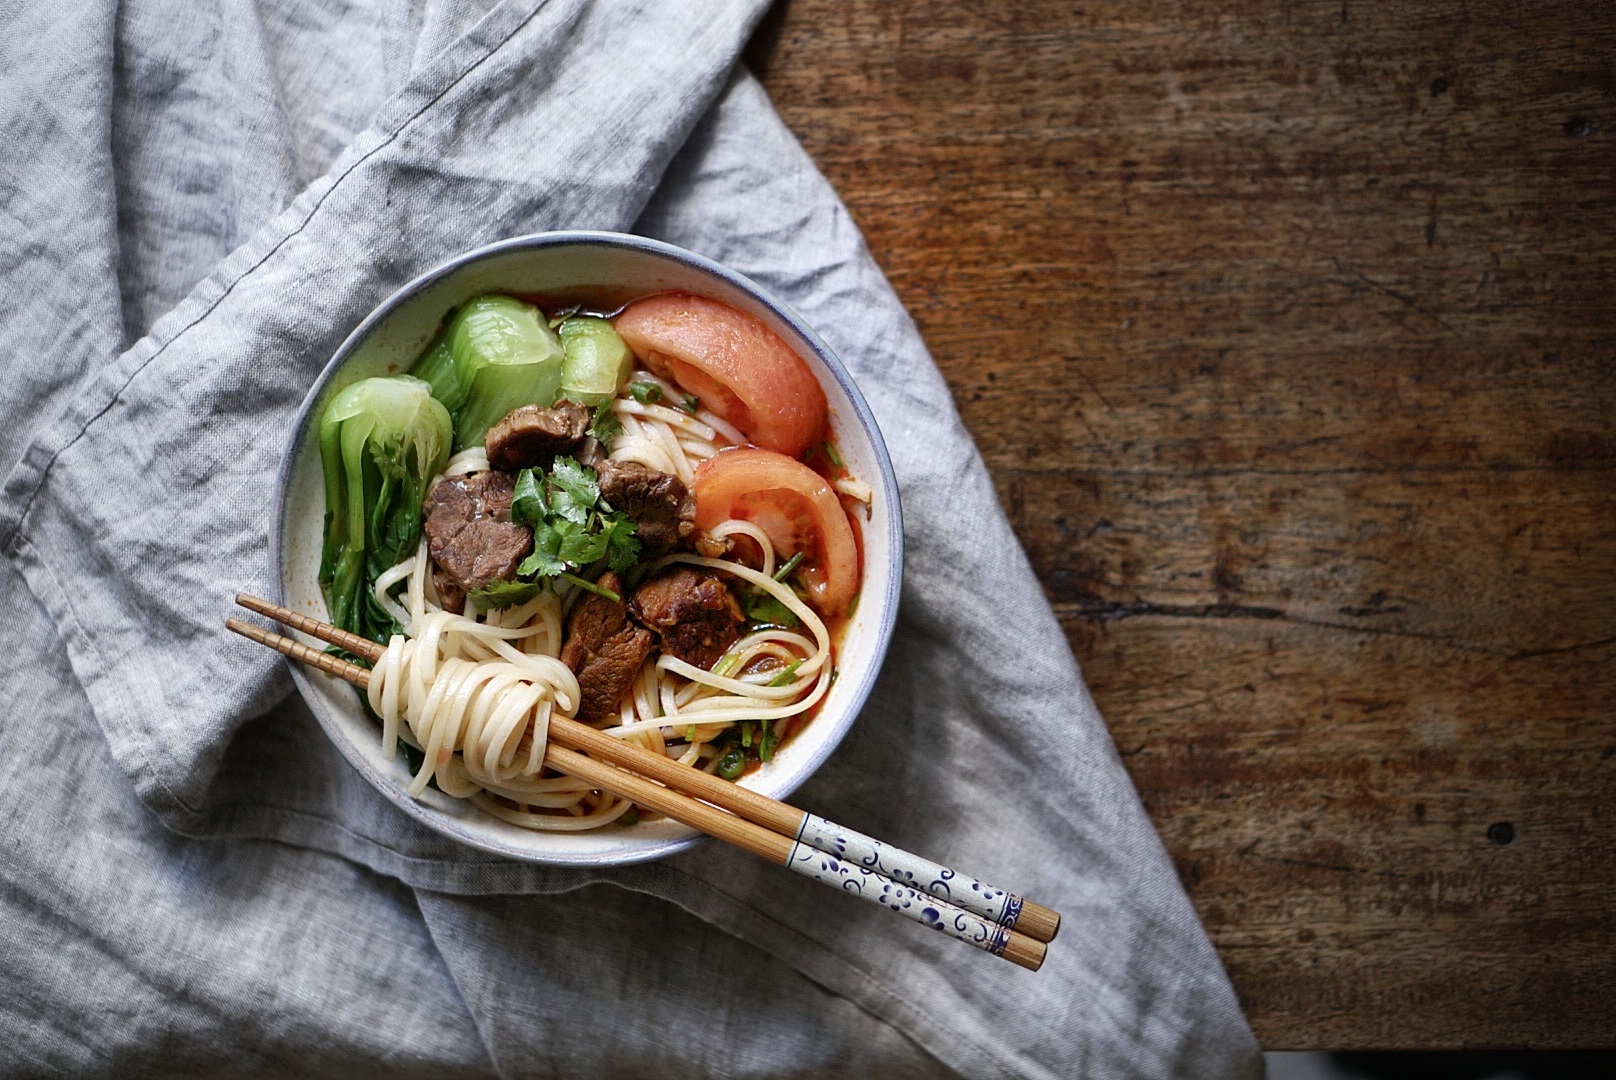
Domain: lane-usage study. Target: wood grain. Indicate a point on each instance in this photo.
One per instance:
(1289, 334)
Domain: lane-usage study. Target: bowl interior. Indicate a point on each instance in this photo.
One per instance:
(565, 267)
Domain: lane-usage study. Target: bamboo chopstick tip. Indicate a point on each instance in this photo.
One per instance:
(245, 629)
(1038, 922)
(1025, 952)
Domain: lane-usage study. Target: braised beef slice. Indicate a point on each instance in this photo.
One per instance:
(662, 508)
(692, 611)
(469, 531)
(451, 597)
(604, 649)
(532, 435)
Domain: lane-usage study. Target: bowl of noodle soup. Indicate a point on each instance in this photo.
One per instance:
(808, 679)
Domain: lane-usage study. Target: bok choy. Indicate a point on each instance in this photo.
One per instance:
(382, 440)
(496, 353)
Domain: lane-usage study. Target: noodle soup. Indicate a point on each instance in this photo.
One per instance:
(699, 552)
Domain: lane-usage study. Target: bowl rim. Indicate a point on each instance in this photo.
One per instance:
(865, 417)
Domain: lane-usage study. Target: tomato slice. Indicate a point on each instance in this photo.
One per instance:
(795, 506)
(736, 366)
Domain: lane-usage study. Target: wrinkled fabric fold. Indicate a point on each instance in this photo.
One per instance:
(355, 150)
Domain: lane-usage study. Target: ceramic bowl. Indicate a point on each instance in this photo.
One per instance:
(566, 265)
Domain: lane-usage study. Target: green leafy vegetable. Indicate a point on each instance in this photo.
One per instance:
(496, 354)
(597, 362)
(763, 608)
(576, 490)
(622, 546)
(505, 593)
(381, 441)
(746, 742)
(572, 526)
(606, 426)
(438, 369)
(768, 742)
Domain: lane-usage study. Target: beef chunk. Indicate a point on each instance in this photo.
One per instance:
(692, 611)
(469, 531)
(604, 649)
(662, 508)
(531, 435)
(450, 596)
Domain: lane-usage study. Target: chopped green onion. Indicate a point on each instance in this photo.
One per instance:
(732, 765)
(769, 741)
(692, 403)
(786, 675)
(690, 733)
(726, 665)
(791, 564)
(852, 605)
(631, 816)
(746, 733)
(830, 452)
(646, 393)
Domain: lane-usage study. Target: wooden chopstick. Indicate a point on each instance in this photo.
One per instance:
(846, 876)
(996, 906)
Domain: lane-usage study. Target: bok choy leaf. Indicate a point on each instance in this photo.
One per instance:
(496, 354)
(382, 440)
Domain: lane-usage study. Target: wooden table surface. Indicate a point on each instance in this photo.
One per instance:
(1288, 331)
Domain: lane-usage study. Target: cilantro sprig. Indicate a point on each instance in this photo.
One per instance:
(573, 527)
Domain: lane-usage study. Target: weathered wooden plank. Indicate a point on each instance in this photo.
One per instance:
(1287, 332)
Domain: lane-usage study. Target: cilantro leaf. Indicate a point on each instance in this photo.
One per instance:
(606, 425)
(763, 608)
(578, 545)
(505, 593)
(546, 559)
(527, 503)
(622, 546)
(572, 526)
(576, 490)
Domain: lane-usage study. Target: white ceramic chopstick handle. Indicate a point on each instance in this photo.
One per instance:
(960, 890)
(871, 885)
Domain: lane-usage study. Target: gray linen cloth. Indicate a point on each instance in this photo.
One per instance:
(199, 201)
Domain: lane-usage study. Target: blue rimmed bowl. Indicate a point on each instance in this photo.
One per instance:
(609, 267)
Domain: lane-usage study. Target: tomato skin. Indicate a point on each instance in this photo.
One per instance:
(736, 366)
(795, 506)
